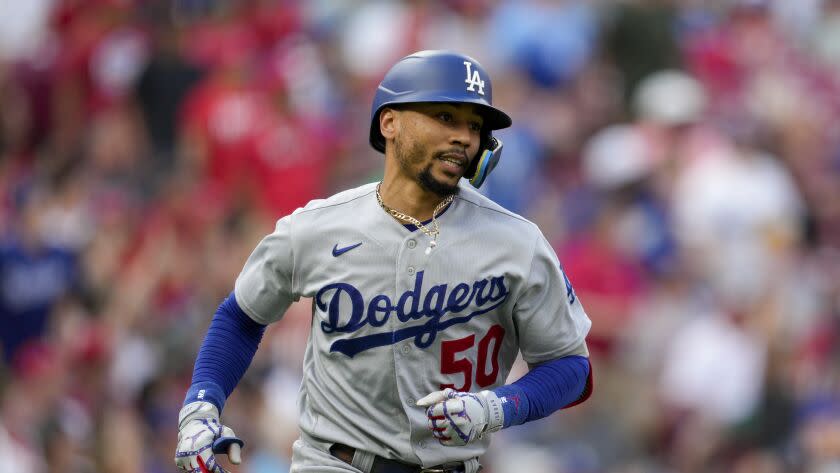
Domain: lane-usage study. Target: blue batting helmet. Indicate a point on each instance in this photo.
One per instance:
(443, 76)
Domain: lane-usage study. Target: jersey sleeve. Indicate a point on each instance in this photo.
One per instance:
(549, 317)
(264, 287)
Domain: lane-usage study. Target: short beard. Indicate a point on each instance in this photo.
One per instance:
(405, 154)
(429, 183)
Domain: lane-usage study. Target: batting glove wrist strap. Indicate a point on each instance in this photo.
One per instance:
(494, 412)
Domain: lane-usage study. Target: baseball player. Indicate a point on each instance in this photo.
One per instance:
(424, 291)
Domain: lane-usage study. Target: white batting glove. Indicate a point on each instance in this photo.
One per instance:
(457, 418)
(200, 436)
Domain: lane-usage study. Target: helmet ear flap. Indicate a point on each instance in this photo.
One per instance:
(486, 136)
(485, 161)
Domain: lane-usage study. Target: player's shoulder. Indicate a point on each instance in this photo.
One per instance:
(339, 202)
(490, 211)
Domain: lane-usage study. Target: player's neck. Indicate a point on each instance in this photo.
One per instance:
(408, 197)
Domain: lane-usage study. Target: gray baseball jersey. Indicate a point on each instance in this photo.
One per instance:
(391, 323)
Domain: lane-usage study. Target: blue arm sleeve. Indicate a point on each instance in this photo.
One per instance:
(225, 354)
(553, 385)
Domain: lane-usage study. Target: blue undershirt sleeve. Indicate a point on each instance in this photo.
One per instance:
(225, 354)
(546, 388)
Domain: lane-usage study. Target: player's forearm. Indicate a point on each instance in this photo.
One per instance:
(545, 389)
(225, 354)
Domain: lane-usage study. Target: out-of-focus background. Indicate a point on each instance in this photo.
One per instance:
(683, 157)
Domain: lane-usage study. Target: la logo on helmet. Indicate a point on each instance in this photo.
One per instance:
(473, 79)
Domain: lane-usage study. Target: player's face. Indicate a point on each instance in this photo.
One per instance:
(436, 143)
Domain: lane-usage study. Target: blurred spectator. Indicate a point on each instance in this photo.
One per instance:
(378, 31)
(669, 98)
(640, 39)
(713, 350)
(34, 276)
(161, 88)
(550, 42)
(735, 213)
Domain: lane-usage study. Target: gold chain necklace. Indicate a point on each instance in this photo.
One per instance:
(431, 233)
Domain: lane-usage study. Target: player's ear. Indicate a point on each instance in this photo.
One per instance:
(388, 122)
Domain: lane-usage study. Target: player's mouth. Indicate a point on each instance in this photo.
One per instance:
(454, 162)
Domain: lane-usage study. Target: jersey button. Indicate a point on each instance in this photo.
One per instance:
(405, 349)
(412, 244)
(411, 270)
(411, 401)
(421, 444)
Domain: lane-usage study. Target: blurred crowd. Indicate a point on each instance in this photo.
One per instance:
(683, 157)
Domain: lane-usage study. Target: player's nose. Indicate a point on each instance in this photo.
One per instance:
(461, 135)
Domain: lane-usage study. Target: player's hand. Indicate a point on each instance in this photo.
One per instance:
(457, 418)
(201, 436)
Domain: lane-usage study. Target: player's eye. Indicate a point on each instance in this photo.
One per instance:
(445, 117)
(475, 126)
